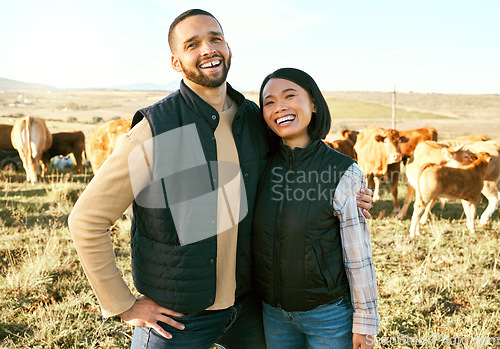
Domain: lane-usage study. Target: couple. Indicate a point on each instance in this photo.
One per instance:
(293, 262)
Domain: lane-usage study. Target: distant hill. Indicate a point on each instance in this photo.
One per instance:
(14, 85)
(147, 86)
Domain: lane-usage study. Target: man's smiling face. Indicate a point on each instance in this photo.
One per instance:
(200, 52)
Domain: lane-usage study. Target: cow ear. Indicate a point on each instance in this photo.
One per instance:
(403, 139)
(447, 155)
(379, 138)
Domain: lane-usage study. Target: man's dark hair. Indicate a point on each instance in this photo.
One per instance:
(183, 16)
(321, 120)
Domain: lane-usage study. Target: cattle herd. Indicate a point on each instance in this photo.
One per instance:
(462, 168)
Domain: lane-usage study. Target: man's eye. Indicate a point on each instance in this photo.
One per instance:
(192, 45)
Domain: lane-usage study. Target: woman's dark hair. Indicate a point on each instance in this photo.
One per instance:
(321, 120)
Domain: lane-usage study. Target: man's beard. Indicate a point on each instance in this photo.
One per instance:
(198, 76)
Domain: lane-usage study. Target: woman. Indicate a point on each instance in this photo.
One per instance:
(313, 262)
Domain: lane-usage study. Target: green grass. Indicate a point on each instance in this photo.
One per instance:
(444, 283)
(353, 109)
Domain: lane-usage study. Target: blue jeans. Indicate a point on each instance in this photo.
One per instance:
(239, 326)
(327, 326)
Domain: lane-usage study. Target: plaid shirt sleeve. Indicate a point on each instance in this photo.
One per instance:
(356, 249)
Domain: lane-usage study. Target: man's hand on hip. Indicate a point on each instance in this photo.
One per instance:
(146, 313)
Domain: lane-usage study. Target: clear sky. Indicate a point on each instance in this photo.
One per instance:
(442, 46)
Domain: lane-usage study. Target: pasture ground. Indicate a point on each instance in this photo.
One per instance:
(440, 289)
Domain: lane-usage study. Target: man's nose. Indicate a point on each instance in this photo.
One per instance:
(207, 48)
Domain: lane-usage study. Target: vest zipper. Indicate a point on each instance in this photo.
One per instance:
(277, 233)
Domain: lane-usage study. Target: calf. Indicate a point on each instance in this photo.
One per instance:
(430, 152)
(463, 183)
(492, 180)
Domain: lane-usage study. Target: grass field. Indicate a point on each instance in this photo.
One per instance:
(440, 289)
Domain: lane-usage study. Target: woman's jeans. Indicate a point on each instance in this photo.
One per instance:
(327, 326)
(237, 327)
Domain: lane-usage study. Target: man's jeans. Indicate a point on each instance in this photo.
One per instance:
(237, 327)
(327, 326)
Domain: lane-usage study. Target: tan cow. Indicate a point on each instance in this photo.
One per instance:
(415, 137)
(379, 156)
(30, 137)
(464, 183)
(344, 146)
(492, 181)
(64, 143)
(5, 142)
(430, 152)
(103, 141)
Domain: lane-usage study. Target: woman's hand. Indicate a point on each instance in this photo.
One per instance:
(146, 313)
(362, 341)
(364, 200)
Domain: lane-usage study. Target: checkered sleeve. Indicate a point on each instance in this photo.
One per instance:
(356, 249)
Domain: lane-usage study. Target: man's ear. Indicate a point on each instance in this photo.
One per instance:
(176, 64)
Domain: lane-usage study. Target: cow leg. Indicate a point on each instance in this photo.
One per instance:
(78, 159)
(470, 212)
(418, 210)
(491, 193)
(394, 191)
(24, 159)
(427, 212)
(376, 190)
(408, 199)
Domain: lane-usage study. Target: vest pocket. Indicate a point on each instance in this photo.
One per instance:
(323, 267)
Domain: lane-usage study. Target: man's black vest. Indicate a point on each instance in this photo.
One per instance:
(183, 277)
(297, 249)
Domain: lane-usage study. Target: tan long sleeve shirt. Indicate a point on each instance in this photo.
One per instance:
(110, 193)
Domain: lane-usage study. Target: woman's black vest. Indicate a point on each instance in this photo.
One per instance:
(182, 276)
(297, 248)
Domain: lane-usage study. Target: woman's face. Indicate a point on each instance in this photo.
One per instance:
(287, 109)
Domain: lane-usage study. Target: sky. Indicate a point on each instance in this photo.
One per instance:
(429, 46)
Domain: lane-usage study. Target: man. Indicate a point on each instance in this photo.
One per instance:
(190, 257)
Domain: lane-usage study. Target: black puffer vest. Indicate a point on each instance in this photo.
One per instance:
(296, 236)
(182, 277)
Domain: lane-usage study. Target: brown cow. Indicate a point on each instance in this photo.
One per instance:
(64, 143)
(30, 137)
(430, 152)
(464, 183)
(344, 146)
(379, 156)
(414, 137)
(5, 142)
(352, 135)
(103, 141)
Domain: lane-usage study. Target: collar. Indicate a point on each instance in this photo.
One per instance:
(299, 154)
(202, 108)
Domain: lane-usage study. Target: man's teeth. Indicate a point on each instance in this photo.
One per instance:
(210, 64)
(284, 119)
